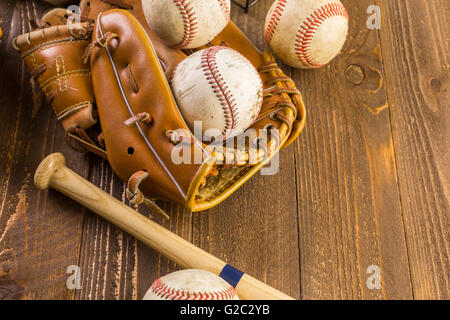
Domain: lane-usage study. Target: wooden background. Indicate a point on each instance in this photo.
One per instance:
(365, 184)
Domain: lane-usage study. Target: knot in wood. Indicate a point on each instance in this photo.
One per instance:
(436, 85)
(355, 74)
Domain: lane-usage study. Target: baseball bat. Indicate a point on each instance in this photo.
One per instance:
(53, 173)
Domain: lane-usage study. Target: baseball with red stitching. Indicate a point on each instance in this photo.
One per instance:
(306, 33)
(187, 24)
(191, 284)
(219, 87)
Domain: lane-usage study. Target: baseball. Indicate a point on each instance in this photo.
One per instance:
(187, 24)
(191, 284)
(306, 33)
(219, 87)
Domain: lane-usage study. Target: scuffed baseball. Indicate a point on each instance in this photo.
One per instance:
(187, 24)
(191, 284)
(219, 87)
(306, 33)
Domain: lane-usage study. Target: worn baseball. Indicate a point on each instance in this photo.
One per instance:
(187, 24)
(306, 33)
(218, 88)
(191, 284)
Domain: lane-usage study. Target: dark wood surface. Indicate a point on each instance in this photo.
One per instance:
(366, 184)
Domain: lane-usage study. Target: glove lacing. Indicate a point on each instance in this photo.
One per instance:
(136, 197)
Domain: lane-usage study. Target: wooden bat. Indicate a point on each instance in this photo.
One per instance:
(53, 173)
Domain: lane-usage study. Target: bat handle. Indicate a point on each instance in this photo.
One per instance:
(53, 173)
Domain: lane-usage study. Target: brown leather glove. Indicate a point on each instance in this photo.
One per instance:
(141, 125)
(282, 101)
(52, 55)
(283, 109)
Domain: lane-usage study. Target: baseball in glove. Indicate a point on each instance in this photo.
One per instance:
(106, 77)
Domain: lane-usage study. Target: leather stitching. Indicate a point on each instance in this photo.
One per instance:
(162, 290)
(220, 88)
(65, 75)
(307, 30)
(274, 19)
(189, 22)
(71, 110)
(60, 73)
(50, 44)
(225, 9)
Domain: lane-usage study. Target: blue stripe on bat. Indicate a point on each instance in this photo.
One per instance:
(231, 275)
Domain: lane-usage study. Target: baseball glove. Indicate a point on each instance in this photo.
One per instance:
(134, 121)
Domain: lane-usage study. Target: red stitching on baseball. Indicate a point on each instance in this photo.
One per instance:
(274, 19)
(225, 9)
(308, 29)
(220, 88)
(162, 290)
(189, 22)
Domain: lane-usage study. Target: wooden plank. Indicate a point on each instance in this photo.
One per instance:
(348, 215)
(39, 231)
(152, 264)
(113, 264)
(256, 228)
(415, 39)
(108, 255)
(349, 205)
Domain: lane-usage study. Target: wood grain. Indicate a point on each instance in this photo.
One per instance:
(113, 264)
(40, 232)
(52, 172)
(256, 229)
(152, 264)
(348, 200)
(108, 256)
(365, 184)
(415, 47)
